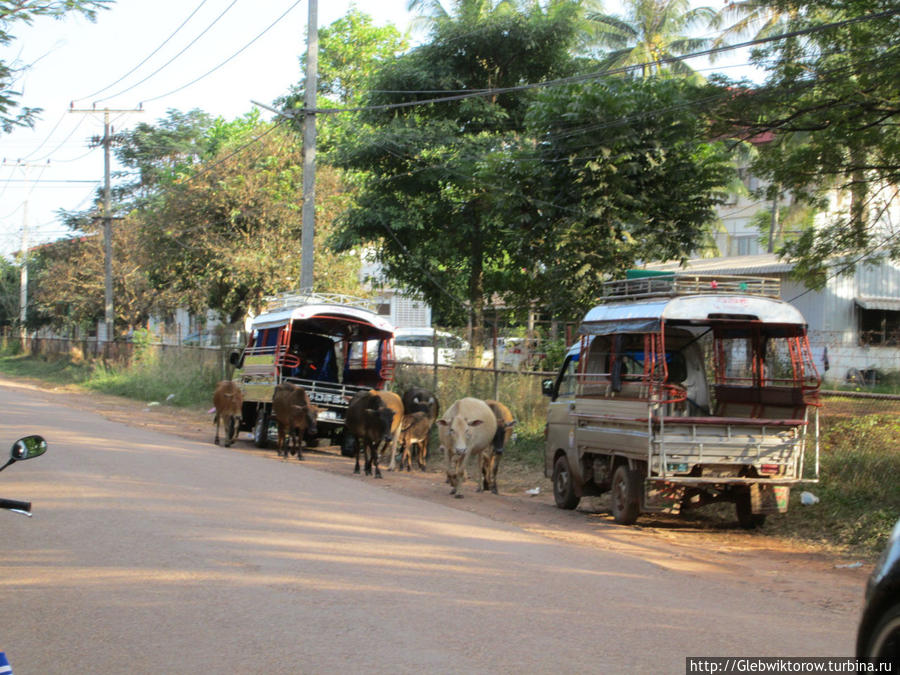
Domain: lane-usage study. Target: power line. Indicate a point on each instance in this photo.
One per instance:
(169, 62)
(149, 56)
(211, 71)
(624, 70)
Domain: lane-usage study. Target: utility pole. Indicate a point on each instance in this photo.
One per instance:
(309, 150)
(106, 142)
(23, 257)
(23, 271)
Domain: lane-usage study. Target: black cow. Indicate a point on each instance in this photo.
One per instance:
(369, 421)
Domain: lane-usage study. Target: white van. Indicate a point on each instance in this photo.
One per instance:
(685, 390)
(416, 345)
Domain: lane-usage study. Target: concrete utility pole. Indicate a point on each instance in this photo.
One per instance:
(23, 271)
(309, 150)
(106, 142)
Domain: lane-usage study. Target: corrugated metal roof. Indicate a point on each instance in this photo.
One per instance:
(890, 304)
(765, 263)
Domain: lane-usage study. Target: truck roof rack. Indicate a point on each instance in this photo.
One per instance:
(290, 299)
(672, 284)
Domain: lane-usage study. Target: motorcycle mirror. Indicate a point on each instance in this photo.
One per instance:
(27, 448)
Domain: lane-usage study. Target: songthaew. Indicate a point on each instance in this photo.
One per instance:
(331, 346)
(685, 390)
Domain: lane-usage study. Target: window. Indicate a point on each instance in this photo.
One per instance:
(879, 327)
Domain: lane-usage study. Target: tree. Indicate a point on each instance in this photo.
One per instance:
(228, 233)
(426, 182)
(830, 104)
(651, 32)
(621, 171)
(26, 11)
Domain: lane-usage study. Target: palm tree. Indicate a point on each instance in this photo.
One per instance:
(432, 12)
(652, 33)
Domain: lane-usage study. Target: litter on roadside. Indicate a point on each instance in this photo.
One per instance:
(533, 491)
(849, 566)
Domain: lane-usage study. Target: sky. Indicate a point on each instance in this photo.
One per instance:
(142, 53)
(75, 61)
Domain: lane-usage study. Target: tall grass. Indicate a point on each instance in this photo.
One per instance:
(177, 377)
(858, 491)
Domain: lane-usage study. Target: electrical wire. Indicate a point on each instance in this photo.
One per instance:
(210, 72)
(149, 56)
(169, 62)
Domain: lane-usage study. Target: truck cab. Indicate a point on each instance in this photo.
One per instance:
(685, 390)
(331, 346)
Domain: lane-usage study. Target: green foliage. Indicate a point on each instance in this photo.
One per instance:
(650, 34)
(427, 180)
(622, 171)
(829, 107)
(26, 11)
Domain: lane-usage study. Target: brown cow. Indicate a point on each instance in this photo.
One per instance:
(294, 416)
(490, 459)
(414, 434)
(467, 428)
(228, 401)
(417, 399)
(370, 422)
(394, 403)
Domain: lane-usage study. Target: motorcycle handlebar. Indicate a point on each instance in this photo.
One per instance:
(13, 504)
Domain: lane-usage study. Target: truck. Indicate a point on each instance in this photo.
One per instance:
(333, 346)
(684, 390)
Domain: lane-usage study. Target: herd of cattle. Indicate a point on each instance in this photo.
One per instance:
(383, 423)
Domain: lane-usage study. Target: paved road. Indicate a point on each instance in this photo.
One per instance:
(149, 553)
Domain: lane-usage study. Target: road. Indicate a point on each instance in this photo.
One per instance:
(149, 552)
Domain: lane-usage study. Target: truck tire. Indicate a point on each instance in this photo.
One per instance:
(744, 510)
(563, 489)
(625, 495)
(261, 430)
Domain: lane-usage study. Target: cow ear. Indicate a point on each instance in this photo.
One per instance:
(443, 423)
(475, 423)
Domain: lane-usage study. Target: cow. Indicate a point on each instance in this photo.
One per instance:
(228, 401)
(393, 402)
(295, 416)
(370, 421)
(417, 399)
(490, 459)
(467, 428)
(414, 434)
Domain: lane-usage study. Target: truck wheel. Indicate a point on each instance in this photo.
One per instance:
(625, 495)
(348, 445)
(261, 430)
(563, 489)
(742, 506)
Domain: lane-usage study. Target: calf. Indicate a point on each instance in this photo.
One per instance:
(414, 434)
(295, 417)
(228, 401)
(417, 399)
(468, 428)
(370, 421)
(490, 459)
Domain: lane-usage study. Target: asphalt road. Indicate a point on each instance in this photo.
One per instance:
(149, 553)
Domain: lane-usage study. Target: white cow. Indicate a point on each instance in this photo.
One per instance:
(467, 428)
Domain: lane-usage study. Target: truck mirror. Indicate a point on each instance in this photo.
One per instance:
(547, 387)
(234, 358)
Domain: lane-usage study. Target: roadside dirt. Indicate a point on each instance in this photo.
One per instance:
(823, 579)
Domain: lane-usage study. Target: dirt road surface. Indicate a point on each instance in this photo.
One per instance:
(152, 549)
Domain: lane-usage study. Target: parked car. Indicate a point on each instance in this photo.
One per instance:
(416, 345)
(878, 634)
